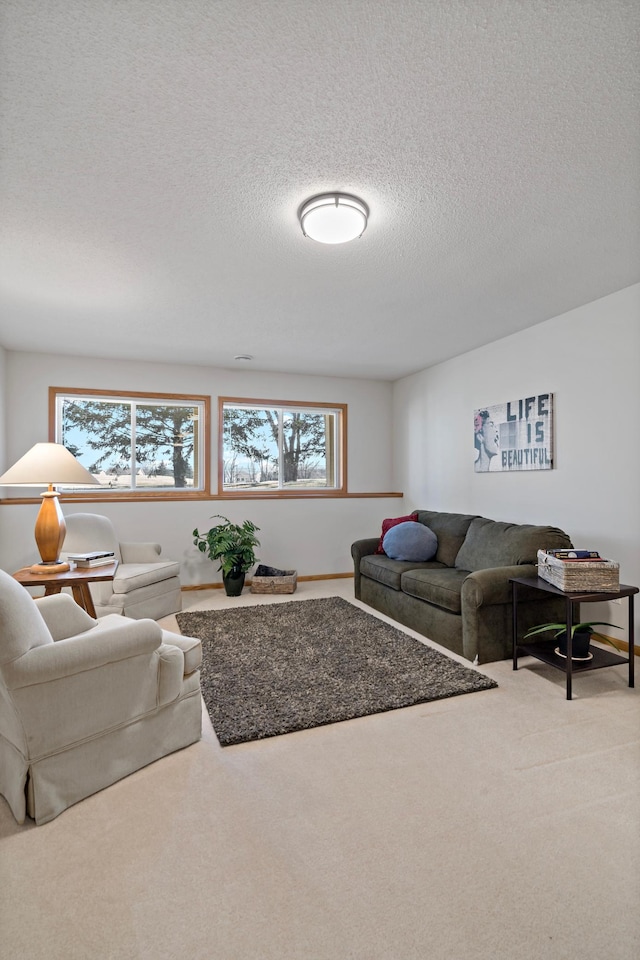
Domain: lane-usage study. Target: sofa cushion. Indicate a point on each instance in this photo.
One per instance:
(410, 541)
(131, 576)
(450, 529)
(388, 524)
(387, 571)
(441, 587)
(492, 543)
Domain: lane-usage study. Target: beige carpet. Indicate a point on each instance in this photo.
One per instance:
(502, 826)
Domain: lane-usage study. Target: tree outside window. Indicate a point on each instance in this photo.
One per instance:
(281, 447)
(137, 442)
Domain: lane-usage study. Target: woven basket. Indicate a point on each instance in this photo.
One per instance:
(271, 580)
(593, 576)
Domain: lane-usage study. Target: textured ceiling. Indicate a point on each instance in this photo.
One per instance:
(154, 154)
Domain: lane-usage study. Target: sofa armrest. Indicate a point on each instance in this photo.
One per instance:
(360, 549)
(140, 552)
(363, 548)
(487, 610)
(485, 587)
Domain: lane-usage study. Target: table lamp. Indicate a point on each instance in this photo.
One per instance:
(47, 464)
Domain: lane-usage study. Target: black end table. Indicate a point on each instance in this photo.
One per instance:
(545, 650)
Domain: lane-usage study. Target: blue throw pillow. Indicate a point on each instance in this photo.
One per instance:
(410, 541)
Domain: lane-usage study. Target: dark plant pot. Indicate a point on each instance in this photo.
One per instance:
(233, 584)
(579, 647)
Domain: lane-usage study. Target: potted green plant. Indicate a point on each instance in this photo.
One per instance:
(581, 636)
(232, 544)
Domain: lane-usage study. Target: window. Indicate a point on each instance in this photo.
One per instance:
(147, 444)
(280, 447)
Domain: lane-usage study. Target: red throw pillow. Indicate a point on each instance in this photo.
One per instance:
(391, 522)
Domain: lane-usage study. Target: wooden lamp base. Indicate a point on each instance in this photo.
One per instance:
(50, 533)
(44, 568)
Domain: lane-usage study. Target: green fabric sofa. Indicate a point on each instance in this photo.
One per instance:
(462, 598)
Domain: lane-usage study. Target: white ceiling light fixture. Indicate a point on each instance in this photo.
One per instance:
(333, 218)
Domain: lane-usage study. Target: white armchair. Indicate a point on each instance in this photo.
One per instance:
(85, 702)
(145, 585)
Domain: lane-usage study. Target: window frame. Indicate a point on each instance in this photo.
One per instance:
(339, 409)
(138, 396)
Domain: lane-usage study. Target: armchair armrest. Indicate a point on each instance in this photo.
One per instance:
(140, 552)
(171, 672)
(63, 616)
(73, 655)
(69, 692)
(191, 649)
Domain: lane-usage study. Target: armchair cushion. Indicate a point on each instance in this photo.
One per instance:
(132, 576)
(140, 552)
(63, 616)
(90, 531)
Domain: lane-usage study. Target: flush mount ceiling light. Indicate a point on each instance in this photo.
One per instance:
(333, 218)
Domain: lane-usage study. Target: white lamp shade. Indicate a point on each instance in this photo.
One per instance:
(334, 218)
(47, 463)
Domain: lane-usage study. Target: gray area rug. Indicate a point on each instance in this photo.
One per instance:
(280, 667)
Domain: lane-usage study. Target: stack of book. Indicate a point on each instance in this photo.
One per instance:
(93, 558)
(574, 554)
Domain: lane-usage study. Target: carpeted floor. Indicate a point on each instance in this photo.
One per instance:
(501, 826)
(277, 668)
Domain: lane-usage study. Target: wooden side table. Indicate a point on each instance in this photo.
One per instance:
(78, 580)
(545, 650)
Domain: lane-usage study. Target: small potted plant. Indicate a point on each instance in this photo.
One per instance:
(233, 545)
(581, 636)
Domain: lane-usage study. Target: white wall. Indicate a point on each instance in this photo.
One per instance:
(3, 410)
(589, 359)
(312, 536)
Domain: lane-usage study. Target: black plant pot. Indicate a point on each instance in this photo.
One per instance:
(579, 647)
(233, 584)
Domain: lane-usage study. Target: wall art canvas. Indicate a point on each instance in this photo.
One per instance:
(516, 435)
